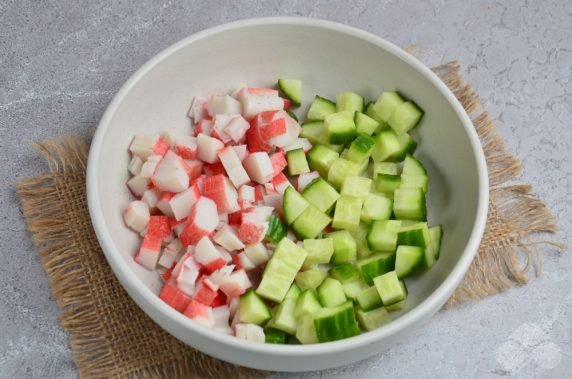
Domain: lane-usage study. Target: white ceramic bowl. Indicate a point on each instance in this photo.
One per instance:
(329, 58)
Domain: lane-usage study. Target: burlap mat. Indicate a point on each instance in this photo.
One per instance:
(111, 337)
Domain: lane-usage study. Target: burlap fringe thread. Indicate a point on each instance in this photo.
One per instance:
(514, 213)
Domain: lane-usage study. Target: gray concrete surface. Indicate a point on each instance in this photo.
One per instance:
(62, 61)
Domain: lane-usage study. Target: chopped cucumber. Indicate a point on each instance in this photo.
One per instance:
(407, 259)
(276, 229)
(365, 124)
(370, 112)
(369, 299)
(293, 204)
(382, 235)
(340, 169)
(281, 270)
(319, 251)
(321, 194)
(293, 292)
(414, 235)
(284, 318)
(253, 310)
(387, 103)
(357, 186)
(353, 288)
(372, 319)
(347, 213)
(331, 293)
(345, 249)
(405, 117)
(409, 204)
(407, 146)
(349, 101)
(396, 307)
(414, 181)
(360, 235)
(320, 108)
(376, 207)
(386, 145)
(388, 168)
(389, 288)
(340, 127)
(306, 331)
(310, 279)
(387, 184)
(292, 88)
(274, 336)
(375, 265)
(297, 163)
(313, 131)
(412, 166)
(321, 158)
(307, 303)
(345, 272)
(436, 234)
(361, 148)
(310, 223)
(336, 323)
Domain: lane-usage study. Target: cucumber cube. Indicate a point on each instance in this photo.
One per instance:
(284, 318)
(360, 235)
(412, 166)
(388, 168)
(382, 235)
(307, 303)
(356, 186)
(409, 204)
(331, 293)
(414, 181)
(297, 163)
(353, 288)
(375, 265)
(396, 307)
(276, 229)
(387, 104)
(310, 279)
(340, 127)
(436, 234)
(253, 310)
(313, 131)
(407, 146)
(319, 251)
(336, 323)
(406, 117)
(293, 292)
(386, 145)
(376, 207)
(340, 169)
(372, 319)
(345, 272)
(414, 235)
(292, 88)
(345, 249)
(369, 299)
(321, 194)
(293, 204)
(370, 112)
(365, 124)
(321, 158)
(306, 331)
(387, 184)
(274, 336)
(389, 288)
(347, 213)
(349, 101)
(361, 148)
(320, 108)
(407, 259)
(310, 223)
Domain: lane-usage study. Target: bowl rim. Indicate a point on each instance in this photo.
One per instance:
(144, 297)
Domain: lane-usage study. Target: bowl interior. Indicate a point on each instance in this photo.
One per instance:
(328, 61)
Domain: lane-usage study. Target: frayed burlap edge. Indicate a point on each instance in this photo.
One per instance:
(514, 213)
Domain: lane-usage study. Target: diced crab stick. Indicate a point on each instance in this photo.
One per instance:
(201, 222)
(186, 146)
(280, 183)
(148, 253)
(299, 143)
(287, 104)
(259, 193)
(199, 182)
(246, 192)
(204, 126)
(292, 132)
(138, 185)
(171, 295)
(159, 226)
(170, 174)
(227, 238)
(305, 179)
(257, 253)
(187, 276)
(245, 262)
(137, 216)
(255, 141)
(182, 203)
(271, 124)
(236, 128)
(220, 300)
(151, 197)
(135, 165)
(144, 145)
(208, 148)
(279, 162)
(269, 187)
(171, 135)
(220, 122)
(233, 167)
(208, 256)
(233, 305)
(163, 204)
(198, 109)
(249, 332)
(252, 104)
(170, 253)
(241, 151)
(205, 291)
(222, 192)
(223, 105)
(200, 313)
(221, 275)
(259, 167)
(235, 284)
(150, 165)
(275, 201)
(221, 316)
(214, 169)
(193, 168)
(259, 91)
(250, 230)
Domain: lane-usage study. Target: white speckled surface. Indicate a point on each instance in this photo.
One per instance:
(62, 61)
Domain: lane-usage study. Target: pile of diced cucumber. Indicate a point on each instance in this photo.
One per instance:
(361, 226)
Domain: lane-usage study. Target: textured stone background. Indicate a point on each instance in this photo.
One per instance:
(62, 61)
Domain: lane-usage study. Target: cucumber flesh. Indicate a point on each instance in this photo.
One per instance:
(357, 186)
(293, 204)
(349, 101)
(370, 320)
(405, 117)
(389, 288)
(353, 288)
(310, 279)
(365, 124)
(345, 272)
(292, 88)
(340, 127)
(369, 299)
(274, 336)
(412, 166)
(347, 213)
(307, 303)
(306, 331)
(284, 318)
(253, 310)
(320, 194)
(310, 223)
(375, 265)
(407, 259)
(376, 207)
(361, 148)
(382, 235)
(331, 293)
(387, 104)
(313, 131)
(409, 204)
(345, 248)
(336, 323)
(297, 163)
(319, 251)
(321, 158)
(436, 234)
(320, 108)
